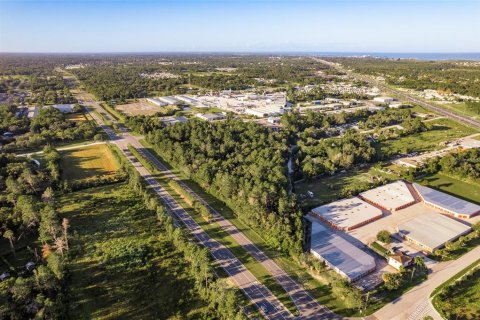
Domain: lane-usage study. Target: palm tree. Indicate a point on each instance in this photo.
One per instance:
(8, 234)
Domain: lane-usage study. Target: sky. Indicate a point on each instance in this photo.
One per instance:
(240, 26)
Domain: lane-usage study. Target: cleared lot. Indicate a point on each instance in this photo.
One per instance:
(142, 108)
(87, 163)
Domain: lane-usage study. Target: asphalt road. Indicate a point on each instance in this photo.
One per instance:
(256, 292)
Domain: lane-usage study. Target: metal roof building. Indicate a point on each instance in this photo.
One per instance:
(338, 253)
(432, 230)
(392, 196)
(347, 214)
(449, 204)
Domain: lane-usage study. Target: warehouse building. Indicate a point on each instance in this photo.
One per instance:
(337, 253)
(446, 203)
(267, 111)
(392, 196)
(210, 116)
(431, 230)
(156, 102)
(347, 214)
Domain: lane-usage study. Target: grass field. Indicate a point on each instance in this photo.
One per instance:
(143, 108)
(327, 189)
(443, 130)
(460, 300)
(76, 117)
(460, 108)
(121, 267)
(88, 163)
(458, 188)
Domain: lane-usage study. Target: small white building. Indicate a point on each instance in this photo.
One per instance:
(384, 99)
(399, 260)
(63, 108)
(156, 102)
(210, 116)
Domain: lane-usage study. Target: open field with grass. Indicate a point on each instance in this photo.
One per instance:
(460, 108)
(143, 108)
(88, 163)
(327, 189)
(76, 117)
(458, 188)
(458, 298)
(121, 266)
(319, 286)
(443, 130)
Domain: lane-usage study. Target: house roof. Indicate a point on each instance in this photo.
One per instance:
(401, 257)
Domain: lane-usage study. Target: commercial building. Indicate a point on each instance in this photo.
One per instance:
(384, 99)
(347, 214)
(156, 102)
(267, 111)
(337, 253)
(169, 100)
(170, 121)
(210, 116)
(431, 230)
(392, 196)
(64, 108)
(446, 203)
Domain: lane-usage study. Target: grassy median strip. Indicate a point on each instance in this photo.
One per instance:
(217, 233)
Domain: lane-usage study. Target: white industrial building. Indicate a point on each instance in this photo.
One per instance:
(384, 99)
(156, 102)
(392, 196)
(347, 214)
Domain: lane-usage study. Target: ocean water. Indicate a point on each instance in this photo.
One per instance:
(404, 55)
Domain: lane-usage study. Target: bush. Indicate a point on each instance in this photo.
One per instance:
(384, 236)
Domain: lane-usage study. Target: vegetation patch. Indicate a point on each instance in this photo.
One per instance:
(458, 298)
(122, 266)
(86, 163)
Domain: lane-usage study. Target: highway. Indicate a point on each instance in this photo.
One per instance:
(256, 292)
(448, 114)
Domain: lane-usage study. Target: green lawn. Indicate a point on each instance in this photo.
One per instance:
(120, 265)
(460, 300)
(327, 189)
(443, 130)
(460, 108)
(88, 163)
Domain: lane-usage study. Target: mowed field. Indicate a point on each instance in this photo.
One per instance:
(120, 263)
(88, 162)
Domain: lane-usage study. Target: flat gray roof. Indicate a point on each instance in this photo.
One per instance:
(433, 229)
(339, 253)
(446, 201)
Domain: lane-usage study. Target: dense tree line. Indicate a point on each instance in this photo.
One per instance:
(49, 126)
(242, 164)
(28, 211)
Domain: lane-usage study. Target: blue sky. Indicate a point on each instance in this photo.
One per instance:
(232, 25)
